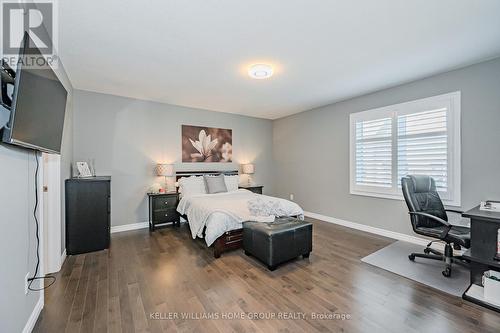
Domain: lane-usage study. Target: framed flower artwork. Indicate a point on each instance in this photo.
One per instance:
(206, 144)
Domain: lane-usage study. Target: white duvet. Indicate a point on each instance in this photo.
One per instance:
(227, 211)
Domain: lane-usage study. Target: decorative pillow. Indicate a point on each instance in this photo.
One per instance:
(232, 182)
(215, 184)
(189, 186)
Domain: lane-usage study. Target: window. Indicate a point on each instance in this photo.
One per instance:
(418, 137)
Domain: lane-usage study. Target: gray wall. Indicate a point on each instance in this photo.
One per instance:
(17, 239)
(311, 149)
(127, 137)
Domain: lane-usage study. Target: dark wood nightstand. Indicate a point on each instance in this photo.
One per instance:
(254, 188)
(163, 209)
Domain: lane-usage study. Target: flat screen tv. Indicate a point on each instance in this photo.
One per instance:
(38, 105)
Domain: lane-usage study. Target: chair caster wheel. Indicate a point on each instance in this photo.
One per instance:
(411, 257)
(427, 251)
(447, 272)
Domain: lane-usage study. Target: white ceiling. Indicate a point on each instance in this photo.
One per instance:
(196, 52)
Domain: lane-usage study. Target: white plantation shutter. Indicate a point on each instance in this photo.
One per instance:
(419, 138)
(423, 146)
(374, 152)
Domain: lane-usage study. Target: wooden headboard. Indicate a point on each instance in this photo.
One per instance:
(180, 174)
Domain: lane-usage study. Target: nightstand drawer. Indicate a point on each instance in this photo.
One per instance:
(166, 215)
(164, 202)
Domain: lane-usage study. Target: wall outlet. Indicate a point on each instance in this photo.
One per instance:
(26, 283)
(291, 196)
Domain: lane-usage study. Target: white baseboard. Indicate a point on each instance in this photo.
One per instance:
(30, 324)
(63, 258)
(128, 227)
(372, 230)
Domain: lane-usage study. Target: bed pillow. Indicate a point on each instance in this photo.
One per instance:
(215, 184)
(189, 186)
(232, 182)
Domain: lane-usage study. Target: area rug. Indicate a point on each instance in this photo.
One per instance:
(394, 258)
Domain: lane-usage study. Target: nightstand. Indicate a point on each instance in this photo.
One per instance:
(163, 209)
(254, 188)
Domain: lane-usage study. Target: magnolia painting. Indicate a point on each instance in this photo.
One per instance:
(206, 144)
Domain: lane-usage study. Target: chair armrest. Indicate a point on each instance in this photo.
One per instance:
(454, 211)
(437, 219)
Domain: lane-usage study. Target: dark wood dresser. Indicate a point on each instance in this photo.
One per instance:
(88, 209)
(163, 209)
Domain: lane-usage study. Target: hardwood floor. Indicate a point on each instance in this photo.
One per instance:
(146, 282)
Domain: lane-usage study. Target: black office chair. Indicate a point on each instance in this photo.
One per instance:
(428, 217)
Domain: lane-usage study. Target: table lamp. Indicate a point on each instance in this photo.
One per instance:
(165, 170)
(249, 169)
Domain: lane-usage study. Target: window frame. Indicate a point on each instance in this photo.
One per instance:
(453, 100)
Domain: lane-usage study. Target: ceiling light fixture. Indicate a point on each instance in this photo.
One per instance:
(260, 71)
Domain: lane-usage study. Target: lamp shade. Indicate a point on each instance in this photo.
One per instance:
(248, 169)
(165, 170)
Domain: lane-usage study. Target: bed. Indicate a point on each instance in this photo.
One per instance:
(218, 218)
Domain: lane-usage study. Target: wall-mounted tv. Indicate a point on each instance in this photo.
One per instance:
(38, 105)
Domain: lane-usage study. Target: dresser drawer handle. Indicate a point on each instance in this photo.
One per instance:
(166, 202)
(166, 214)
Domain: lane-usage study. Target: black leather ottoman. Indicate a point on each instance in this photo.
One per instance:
(274, 243)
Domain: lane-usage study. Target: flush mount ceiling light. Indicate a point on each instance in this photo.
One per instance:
(260, 71)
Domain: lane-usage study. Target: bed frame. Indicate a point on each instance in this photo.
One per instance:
(230, 240)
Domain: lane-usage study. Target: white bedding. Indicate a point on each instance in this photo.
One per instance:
(227, 211)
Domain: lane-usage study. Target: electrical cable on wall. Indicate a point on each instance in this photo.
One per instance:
(35, 277)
